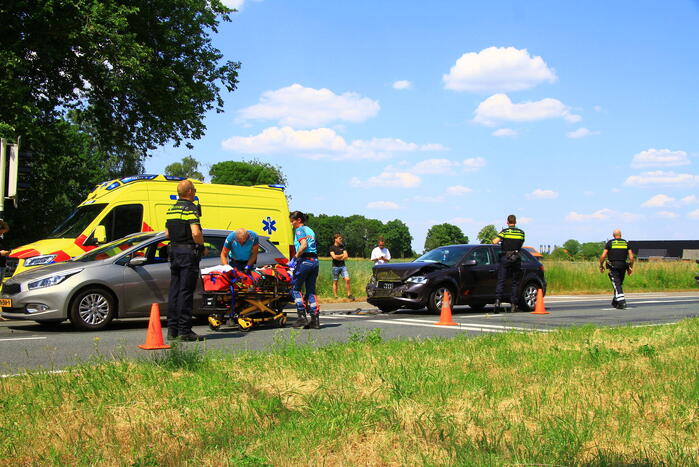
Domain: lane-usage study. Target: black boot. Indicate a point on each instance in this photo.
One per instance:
(621, 305)
(496, 308)
(314, 324)
(301, 322)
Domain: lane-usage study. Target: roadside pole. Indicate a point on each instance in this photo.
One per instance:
(3, 159)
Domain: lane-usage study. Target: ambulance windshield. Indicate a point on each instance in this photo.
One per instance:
(77, 221)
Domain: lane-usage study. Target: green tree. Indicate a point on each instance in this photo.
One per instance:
(398, 239)
(573, 247)
(591, 250)
(140, 73)
(444, 234)
(487, 234)
(247, 173)
(560, 254)
(188, 168)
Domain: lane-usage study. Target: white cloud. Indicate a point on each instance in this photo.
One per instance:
(602, 215)
(498, 69)
(505, 132)
(382, 205)
(235, 4)
(402, 84)
(298, 106)
(667, 214)
(321, 143)
(694, 214)
(542, 194)
(691, 199)
(388, 179)
(658, 201)
(659, 158)
(598, 108)
(474, 164)
(435, 166)
(581, 133)
(498, 108)
(458, 190)
(660, 177)
(524, 220)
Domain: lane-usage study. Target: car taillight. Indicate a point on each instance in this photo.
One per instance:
(541, 268)
(292, 251)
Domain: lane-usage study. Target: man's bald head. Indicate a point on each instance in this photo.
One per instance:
(241, 235)
(185, 189)
(617, 233)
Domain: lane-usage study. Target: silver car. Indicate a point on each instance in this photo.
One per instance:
(121, 279)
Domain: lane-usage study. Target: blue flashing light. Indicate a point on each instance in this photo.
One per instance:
(133, 178)
(277, 186)
(173, 178)
(173, 197)
(112, 186)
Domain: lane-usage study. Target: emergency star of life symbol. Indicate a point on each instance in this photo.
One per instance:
(269, 226)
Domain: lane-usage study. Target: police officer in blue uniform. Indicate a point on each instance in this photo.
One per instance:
(511, 239)
(614, 258)
(183, 228)
(305, 265)
(240, 250)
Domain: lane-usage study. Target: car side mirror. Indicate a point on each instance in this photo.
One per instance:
(469, 262)
(100, 234)
(137, 261)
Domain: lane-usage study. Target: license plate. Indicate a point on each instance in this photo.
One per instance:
(6, 302)
(386, 285)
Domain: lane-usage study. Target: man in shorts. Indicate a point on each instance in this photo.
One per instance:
(339, 254)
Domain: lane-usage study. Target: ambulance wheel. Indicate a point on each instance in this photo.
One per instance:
(245, 324)
(281, 321)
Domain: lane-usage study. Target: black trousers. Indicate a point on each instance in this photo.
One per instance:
(509, 270)
(184, 274)
(617, 275)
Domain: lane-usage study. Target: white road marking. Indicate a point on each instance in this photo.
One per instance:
(52, 372)
(22, 339)
(479, 325)
(433, 326)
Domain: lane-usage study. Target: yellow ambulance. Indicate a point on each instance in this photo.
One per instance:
(138, 203)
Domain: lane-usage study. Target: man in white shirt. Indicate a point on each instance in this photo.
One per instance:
(380, 254)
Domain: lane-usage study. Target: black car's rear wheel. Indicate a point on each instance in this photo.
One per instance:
(434, 301)
(528, 297)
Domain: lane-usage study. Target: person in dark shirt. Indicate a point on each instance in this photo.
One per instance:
(339, 254)
(614, 256)
(511, 239)
(183, 228)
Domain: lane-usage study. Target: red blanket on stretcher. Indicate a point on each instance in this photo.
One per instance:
(223, 281)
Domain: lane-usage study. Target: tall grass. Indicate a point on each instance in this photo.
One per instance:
(563, 277)
(583, 396)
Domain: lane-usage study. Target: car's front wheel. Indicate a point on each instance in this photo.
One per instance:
(528, 297)
(434, 301)
(92, 309)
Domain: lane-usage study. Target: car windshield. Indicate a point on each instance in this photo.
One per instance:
(77, 221)
(449, 255)
(114, 248)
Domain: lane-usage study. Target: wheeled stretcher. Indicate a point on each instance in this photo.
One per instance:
(241, 300)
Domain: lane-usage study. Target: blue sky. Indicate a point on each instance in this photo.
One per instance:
(577, 117)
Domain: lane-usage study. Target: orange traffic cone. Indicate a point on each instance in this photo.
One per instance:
(540, 309)
(445, 315)
(154, 338)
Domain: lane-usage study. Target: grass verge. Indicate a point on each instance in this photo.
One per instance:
(583, 396)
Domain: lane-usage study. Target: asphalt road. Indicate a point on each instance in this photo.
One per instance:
(25, 345)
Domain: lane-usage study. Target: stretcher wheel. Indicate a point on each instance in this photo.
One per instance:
(245, 324)
(214, 323)
(281, 321)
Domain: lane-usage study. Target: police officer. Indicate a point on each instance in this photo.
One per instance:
(615, 253)
(510, 266)
(183, 228)
(240, 250)
(305, 264)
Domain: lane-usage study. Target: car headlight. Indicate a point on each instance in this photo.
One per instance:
(39, 260)
(50, 280)
(417, 279)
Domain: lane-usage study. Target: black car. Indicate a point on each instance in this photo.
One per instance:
(468, 272)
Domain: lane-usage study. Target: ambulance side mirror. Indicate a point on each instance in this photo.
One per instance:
(100, 234)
